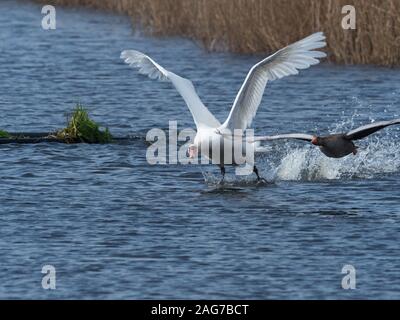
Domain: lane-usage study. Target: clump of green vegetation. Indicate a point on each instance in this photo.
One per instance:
(4, 134)
(80, 128)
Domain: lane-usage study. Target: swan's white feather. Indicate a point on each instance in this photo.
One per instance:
(147, 66)
(285, 62)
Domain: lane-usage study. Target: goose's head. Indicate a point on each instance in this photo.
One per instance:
(316, 141)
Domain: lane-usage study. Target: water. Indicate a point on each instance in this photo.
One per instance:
(116, 227)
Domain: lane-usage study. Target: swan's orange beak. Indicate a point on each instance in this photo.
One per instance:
(314, 141)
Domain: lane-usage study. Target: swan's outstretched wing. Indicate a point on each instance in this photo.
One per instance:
(298, 136)
(147, 66)
(285, 62)
(368, 129)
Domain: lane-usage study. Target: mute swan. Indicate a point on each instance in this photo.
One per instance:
(210, 132)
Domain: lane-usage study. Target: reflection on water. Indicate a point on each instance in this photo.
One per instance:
(115, 227)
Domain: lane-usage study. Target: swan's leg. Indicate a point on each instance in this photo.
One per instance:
(223, 174)
(255, 170)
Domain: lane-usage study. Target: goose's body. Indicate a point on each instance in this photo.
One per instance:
(285, 62)
(336, 146)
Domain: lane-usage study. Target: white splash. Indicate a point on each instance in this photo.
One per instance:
(306, 164)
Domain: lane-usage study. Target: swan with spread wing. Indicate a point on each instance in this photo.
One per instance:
(210, 132)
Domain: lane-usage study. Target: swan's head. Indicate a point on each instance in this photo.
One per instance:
(192, 151)
(316, 141)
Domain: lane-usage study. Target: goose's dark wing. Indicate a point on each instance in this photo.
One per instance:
(368, 129)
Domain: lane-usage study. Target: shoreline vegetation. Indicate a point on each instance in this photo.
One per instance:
(263, 26)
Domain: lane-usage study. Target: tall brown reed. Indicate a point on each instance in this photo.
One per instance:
(255, 26)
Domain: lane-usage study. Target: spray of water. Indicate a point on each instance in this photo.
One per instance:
(379, 154)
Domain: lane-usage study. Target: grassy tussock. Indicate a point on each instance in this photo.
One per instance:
(4, 134)
(81, 128)
(263, 26)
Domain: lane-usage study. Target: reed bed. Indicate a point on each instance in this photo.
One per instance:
(263, 26)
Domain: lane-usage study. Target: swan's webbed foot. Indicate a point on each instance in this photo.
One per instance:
(223, 174)
(259, 179)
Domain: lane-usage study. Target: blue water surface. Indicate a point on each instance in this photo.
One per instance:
(115, 227)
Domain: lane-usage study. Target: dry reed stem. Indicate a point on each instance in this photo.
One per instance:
(263, 26)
